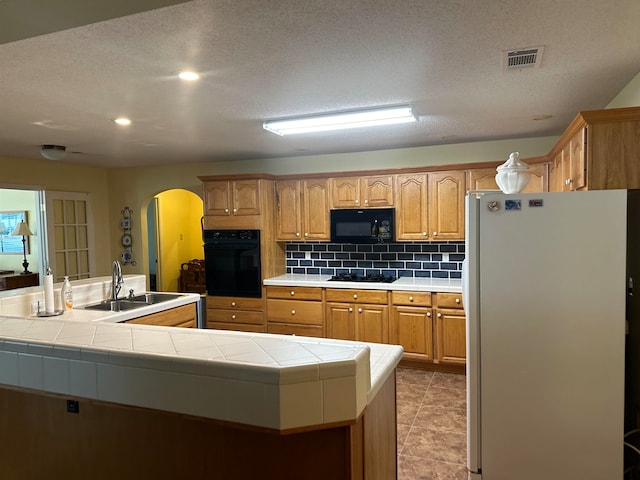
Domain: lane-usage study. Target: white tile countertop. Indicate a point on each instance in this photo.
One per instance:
(445, 285)
(272, 381)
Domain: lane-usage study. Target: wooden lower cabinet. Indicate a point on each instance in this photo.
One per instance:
(451, 342)
(431, 327)
(295, 311)
(235, 313)
(365, 318)
(411, 324)
(183, 316)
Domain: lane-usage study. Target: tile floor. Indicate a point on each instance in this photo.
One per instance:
(431, 425)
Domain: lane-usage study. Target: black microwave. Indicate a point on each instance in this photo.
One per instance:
(363, 225)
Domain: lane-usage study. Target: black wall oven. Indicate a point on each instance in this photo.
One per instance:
(232, 263)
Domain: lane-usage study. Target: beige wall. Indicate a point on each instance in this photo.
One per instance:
(629, 96)
(39, 174)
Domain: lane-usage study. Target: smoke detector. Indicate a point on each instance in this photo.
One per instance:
(520, 58)
(53, 152)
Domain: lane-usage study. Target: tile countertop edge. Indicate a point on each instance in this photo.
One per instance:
(334, 388)
(418, 284)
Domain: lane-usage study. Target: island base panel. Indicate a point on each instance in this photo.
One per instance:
(106, 441)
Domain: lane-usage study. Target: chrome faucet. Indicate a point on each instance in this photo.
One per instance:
(116, 279)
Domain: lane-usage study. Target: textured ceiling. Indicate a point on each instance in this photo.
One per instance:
(264, 59)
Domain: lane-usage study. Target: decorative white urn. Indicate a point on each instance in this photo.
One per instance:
(513, 175)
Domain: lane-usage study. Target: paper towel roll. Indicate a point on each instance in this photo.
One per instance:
(49, 301)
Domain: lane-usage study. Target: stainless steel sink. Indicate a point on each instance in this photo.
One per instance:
(115, 305)
(153, 297)
(129, 303)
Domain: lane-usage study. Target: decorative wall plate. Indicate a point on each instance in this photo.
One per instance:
(125, 223)
(125, 240)
(126, 257)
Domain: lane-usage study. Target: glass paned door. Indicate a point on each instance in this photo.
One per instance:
(69, 230)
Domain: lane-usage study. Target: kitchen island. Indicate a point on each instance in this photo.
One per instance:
(91, 399)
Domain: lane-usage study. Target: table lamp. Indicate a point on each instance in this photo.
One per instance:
(23, 229)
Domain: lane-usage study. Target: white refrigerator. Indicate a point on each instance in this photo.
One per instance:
(545, 291)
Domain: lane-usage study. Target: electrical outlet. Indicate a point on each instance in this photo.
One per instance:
(73, 406)
(307, 255)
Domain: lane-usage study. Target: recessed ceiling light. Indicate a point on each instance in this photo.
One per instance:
(122, 121)
(188, 76)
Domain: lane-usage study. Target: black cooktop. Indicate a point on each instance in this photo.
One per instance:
(352, 277)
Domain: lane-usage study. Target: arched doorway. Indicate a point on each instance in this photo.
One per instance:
(174, 236)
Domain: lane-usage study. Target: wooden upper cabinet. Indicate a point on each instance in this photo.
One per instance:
(234, 197)
(377, 191)
(485, 179)
(411, 207)
(217, 198)
(568, 167)
(577, 179)
(356, 192)
(315, 209)
(446, 205)
(288, 210)
(599, 150)
(556, 176)
(302, 210)
(246, 197)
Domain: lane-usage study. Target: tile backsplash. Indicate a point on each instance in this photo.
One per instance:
(435, 259)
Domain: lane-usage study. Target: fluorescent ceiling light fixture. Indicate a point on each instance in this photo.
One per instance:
(342, 120)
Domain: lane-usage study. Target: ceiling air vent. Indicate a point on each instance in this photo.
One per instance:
(522, 58)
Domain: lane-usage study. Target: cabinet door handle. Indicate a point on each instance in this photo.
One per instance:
(233, 317)
(350, 309)
(293, 312)
(366, 202)
(235, 210)
(357, 202)
(233, 304)
(292, 293)
(424, 234)
(439, 315)
(355, 296)
(306, 234)
(360, 310)
(429, 314)
(457, 300)
(411, 299)
(297, 234)
(435, 234)
(226, 210)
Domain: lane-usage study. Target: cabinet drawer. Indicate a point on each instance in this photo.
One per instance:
(293, 329)
(240, 303)
(294, 311)
(421, 299)
(347, 295)
(295, 293)
(450, 300)
(174, 317)
(234, 316)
